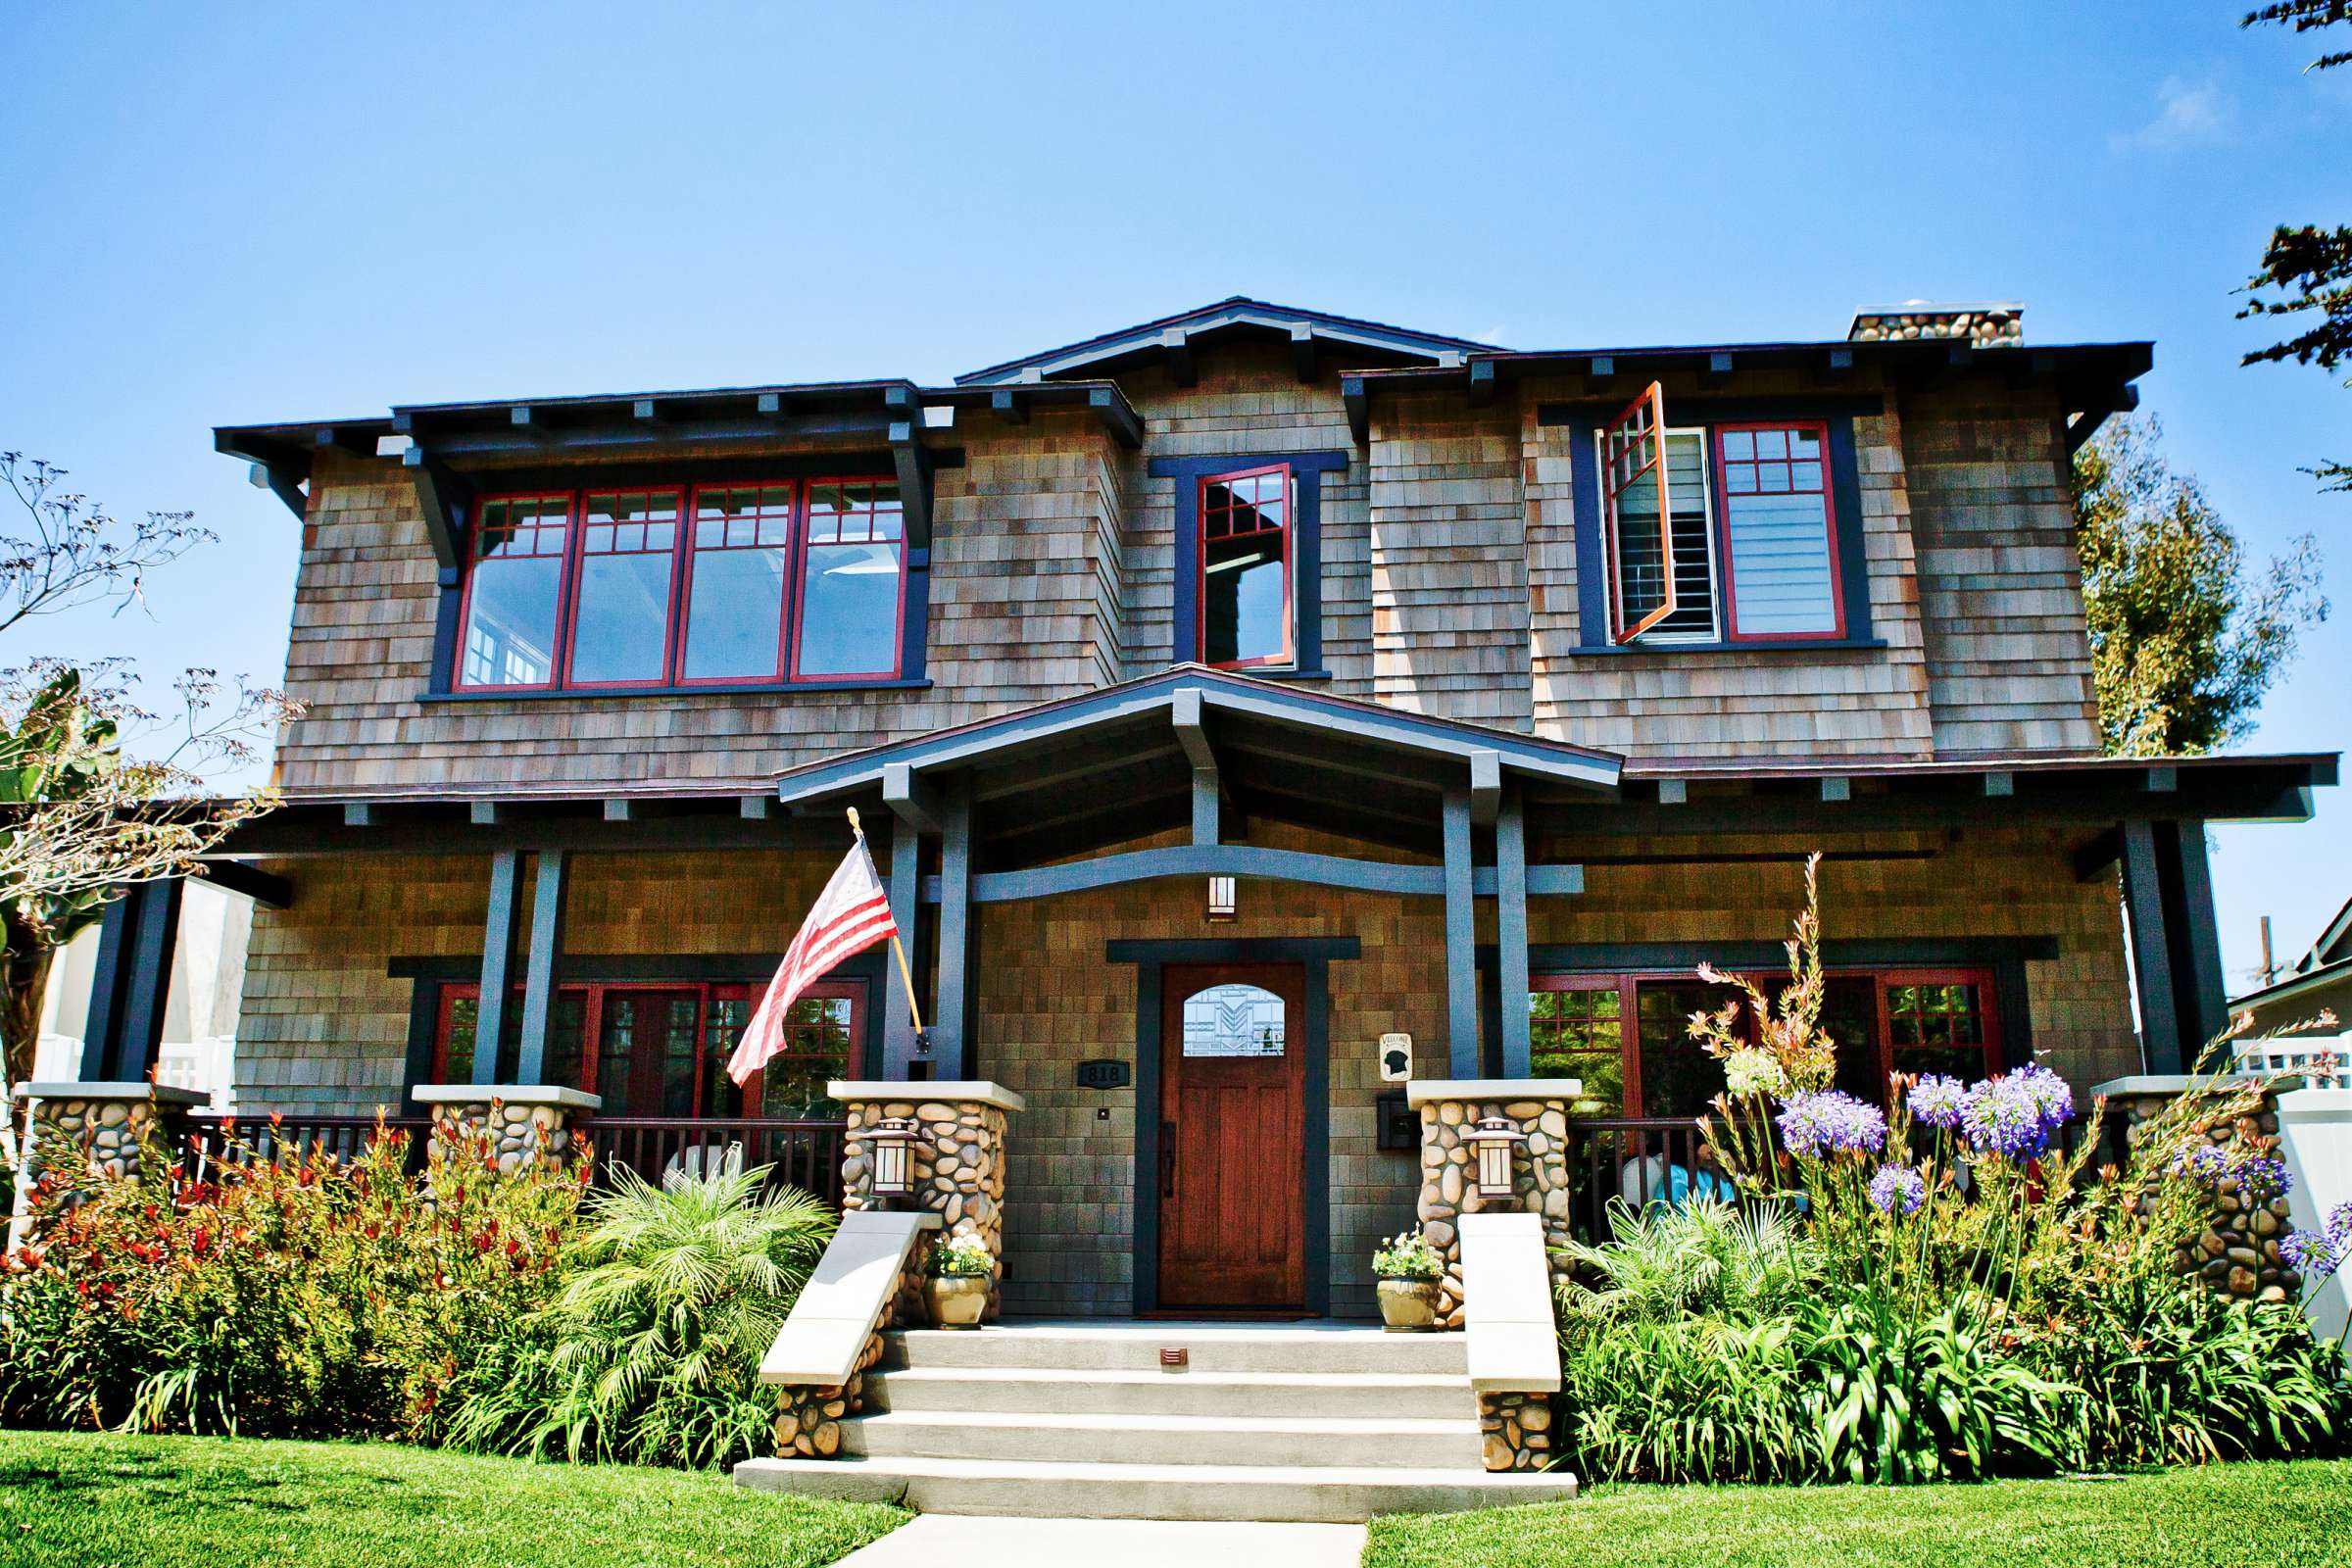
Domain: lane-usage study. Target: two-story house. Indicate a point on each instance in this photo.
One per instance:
(1223, 697)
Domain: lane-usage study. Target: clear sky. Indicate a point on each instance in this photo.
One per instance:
(223, 214)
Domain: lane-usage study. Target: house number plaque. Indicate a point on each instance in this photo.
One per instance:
(1103, 1072)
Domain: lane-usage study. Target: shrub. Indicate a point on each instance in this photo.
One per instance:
(1707, 1257)
(1686, 1398)
(307, 1297)
(649, 1352)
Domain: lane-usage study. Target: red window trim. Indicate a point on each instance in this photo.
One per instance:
(558, 652)
(577, 570)
(798, 586)
(1629, 1026)
(1723, 533)
(705, 991)
(673, 648)
(1289, 654)
(796, 490)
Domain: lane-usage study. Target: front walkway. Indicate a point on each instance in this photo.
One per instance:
(980, 1540)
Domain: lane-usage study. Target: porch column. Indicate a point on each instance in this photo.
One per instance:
(949, 1051)
(2176, 947)
(1510, 931)
(498, 963)
(137, 937)
(916, 810)
(539, 969)
(1461, 941)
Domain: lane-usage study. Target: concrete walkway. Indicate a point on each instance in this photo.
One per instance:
(988, 1540)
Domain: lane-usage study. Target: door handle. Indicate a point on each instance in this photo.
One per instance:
(1167, 1159)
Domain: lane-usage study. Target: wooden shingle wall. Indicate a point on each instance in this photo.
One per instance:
(1450, 561)
(2000, 582)
(1748, 703)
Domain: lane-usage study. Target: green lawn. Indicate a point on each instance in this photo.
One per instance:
(2296, 1515)
(204, 1503)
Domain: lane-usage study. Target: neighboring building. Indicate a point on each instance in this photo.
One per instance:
(1394, 629)
(2309, 1006)
(197, 1040)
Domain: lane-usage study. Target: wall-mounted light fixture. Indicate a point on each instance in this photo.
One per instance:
(1221, 898)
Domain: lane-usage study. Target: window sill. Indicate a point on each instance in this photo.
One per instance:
(1791, 645)
(770, 687)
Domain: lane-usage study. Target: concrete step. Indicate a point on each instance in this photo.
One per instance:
(1217, 1348)
(1331, 1493)
(1222, 1441)
(1324, 1394)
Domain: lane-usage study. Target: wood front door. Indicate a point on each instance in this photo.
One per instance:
(1233, 1130)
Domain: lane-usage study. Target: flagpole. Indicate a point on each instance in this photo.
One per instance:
(906, 970)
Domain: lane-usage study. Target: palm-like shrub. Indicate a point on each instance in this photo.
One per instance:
(1707, 1257)
(651, 1351)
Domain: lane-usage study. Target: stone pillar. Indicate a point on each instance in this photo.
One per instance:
(1540, 1173)
(2236, 1254)
(959, 1165)
(105, 1124)
(524, 1121)
(1515, 1430)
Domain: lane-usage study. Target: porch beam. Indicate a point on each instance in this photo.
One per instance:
(1510, 932)
(911, 798)
(1486, 787)
(550, 884)
(948, 1049)
(497, 960)
(1249, 861)
(906, 890)
(1461, 939)
(1192, 733)
(249, 881)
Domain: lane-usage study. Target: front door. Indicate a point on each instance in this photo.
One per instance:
(1233, 1129)
(645, 1052)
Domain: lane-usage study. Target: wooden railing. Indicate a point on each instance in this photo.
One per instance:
(805, 1155)
(1641, 1160)
(287, 1135)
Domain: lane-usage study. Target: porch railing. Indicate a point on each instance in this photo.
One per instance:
(288, 1135)
(800, 1153)
(1641, 1160)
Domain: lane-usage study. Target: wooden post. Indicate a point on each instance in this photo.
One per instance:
(539, 969)
(498, 959)
(1510, 932)
(1461, 939)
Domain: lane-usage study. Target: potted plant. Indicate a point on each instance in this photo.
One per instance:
(956, 1287)
(1409, 1269)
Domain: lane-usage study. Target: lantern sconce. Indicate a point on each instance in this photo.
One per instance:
(1221, 904)
(893, 1141)
(1492, 1139)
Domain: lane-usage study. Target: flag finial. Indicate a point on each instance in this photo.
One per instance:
(855, 828)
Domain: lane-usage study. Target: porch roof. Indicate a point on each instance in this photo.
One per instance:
(1123, 761)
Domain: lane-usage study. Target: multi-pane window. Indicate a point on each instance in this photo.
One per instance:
(851, 568)
(660, 1048)
(1246, 567)
(621, 587)
(1717, 531)
(1628, 1036)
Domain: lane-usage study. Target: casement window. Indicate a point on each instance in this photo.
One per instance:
(611, 589)
(1246, 554)
(660, 1048)
(1721, 532)
(1627, 1036)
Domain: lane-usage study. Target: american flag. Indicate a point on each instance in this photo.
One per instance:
(851, 915)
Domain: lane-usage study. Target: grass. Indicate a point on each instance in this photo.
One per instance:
(127, 1502)
(2289, 1516)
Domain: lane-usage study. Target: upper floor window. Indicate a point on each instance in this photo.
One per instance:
(1246, 552)
(1717, 532)
(616, 588)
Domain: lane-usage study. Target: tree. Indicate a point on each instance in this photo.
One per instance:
(95, 792)
(2310, 268)
(2183, 642)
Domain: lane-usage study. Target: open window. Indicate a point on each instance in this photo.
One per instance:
(1246, 552)
(1637, 516)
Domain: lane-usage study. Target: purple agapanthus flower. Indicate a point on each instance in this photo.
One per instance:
(2311, 1254)
(2339, 1226)
(1898, 1189)
(2002, 1116)
(2259, 1181)
(2053, 1093)
(1937, 1100)
(2204, 1164)
(1827, 1122)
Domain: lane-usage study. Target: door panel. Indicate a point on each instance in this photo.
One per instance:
(1233, 1070)
(645, 1051)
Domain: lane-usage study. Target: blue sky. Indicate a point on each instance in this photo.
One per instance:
(229, 214)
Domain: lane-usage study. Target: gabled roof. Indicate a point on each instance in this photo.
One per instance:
(1368, 341)
(2333, 944)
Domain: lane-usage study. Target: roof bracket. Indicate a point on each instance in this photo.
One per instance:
(446, 499)
(1482, 383)
(1111, 409)
(1358, 403)
(283, 482)
(914, 463)
(1303, 351)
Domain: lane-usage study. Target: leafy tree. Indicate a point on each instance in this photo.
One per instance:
(2310, 268)
(81, 813)
(2183, 640)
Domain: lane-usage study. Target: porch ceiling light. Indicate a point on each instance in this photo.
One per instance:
(893, 1141)
(1221, 904)
(1493, 1138)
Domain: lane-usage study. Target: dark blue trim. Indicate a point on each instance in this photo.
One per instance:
(915, 631)
(1461, 927)
(1306, 545)
(497, 963)
(441, 678)
(1580, 421)
(109, 987)
(124, 1028)
(550, 885)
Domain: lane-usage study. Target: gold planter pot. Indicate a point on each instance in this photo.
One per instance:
(955, 1300)
(1409, 1306)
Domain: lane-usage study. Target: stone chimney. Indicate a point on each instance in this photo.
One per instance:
(1984, 325)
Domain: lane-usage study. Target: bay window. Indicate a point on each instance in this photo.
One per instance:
(1628, 1038)
(619, 588)
(1721, 533)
